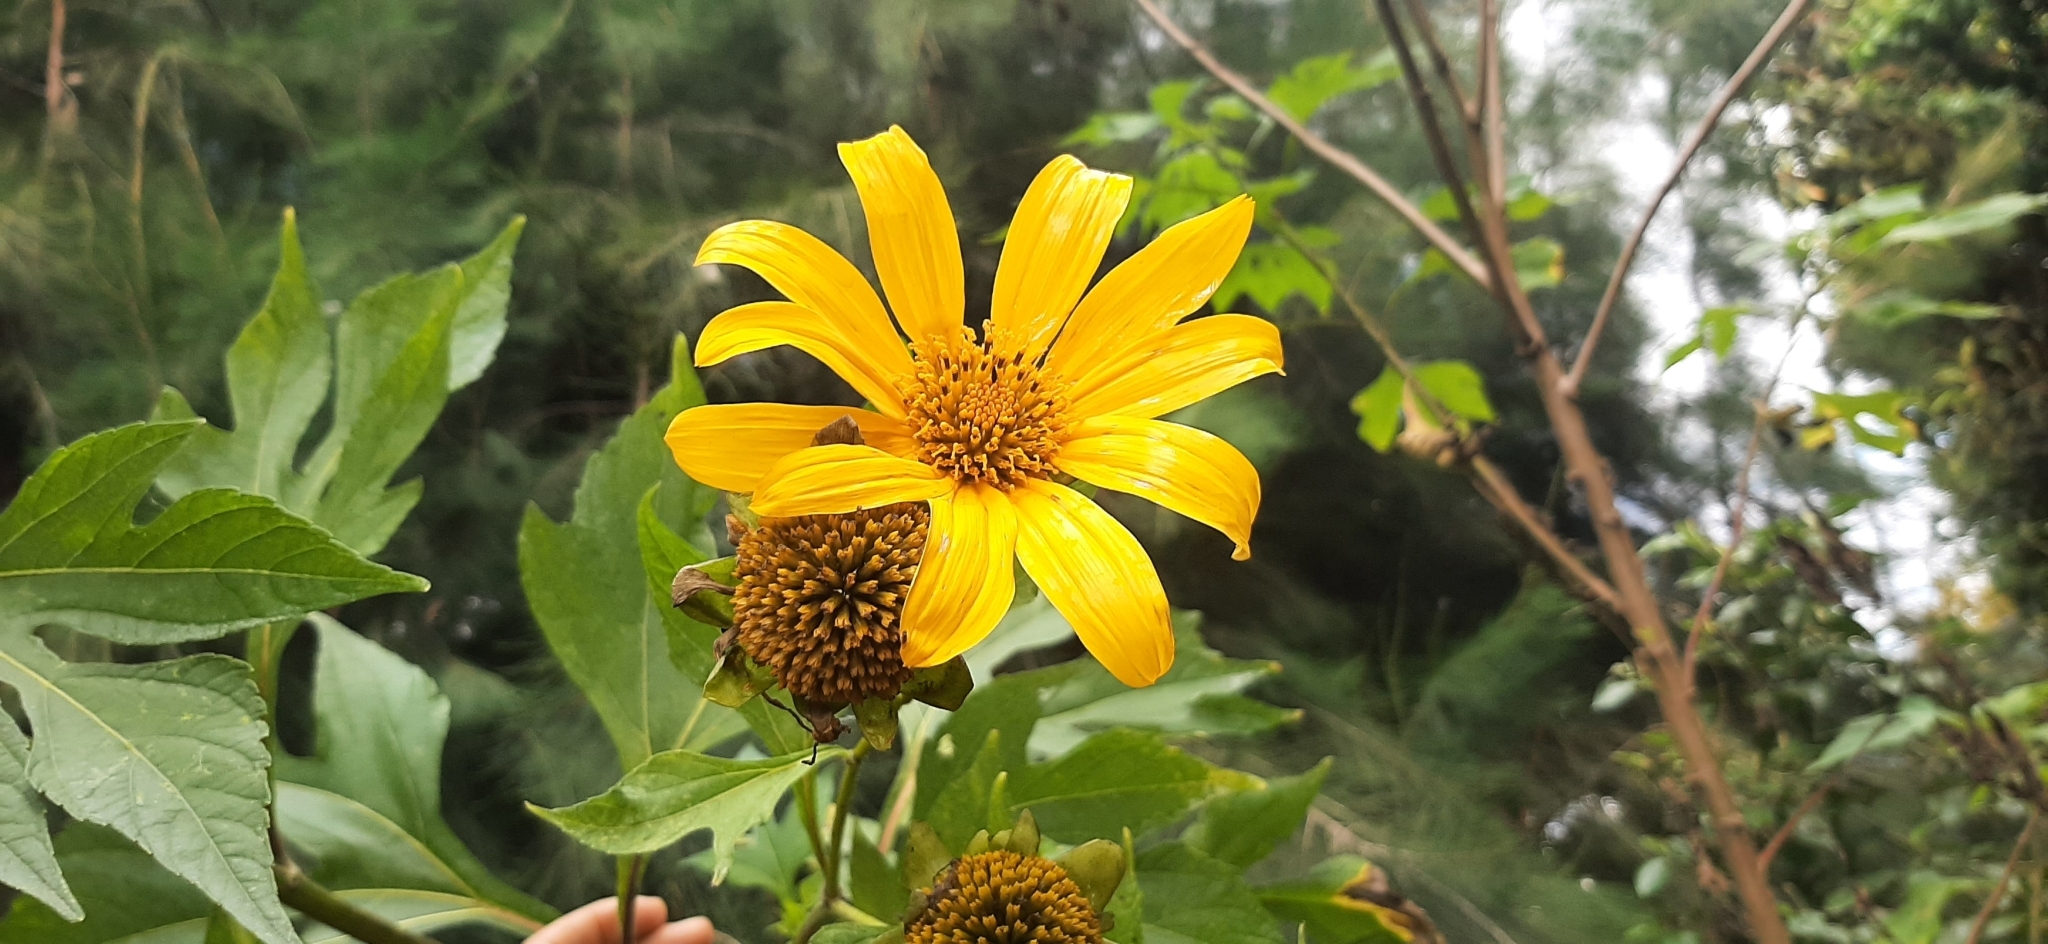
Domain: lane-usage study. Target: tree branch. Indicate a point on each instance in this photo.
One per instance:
(2004, 878)
(1357, 169)
(1468, 108)
(1763, 859)
(1722, 99)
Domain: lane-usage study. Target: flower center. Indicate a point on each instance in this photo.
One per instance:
(820, 600)
(1003, 897)
(984, 416)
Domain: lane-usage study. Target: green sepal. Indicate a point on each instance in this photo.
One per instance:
(942, 686)
(877, 717)
(977, 845)
(696, 592)
(742, 506)
(1097, 866)
(1023, 837)
(891, 936)
(924, 854)
(736, 679)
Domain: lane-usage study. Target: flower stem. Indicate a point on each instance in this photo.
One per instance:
(829, 852)
(631, 868)
(303, 894)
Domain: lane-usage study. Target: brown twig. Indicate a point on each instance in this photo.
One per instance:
(1763, 859)
(63, 109)
(1737, 518)
(1708, 122)
(1492, 110)
(1468, 108)
(1357, 169)
(2004, 878)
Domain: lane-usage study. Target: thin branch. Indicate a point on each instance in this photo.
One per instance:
(1426, 112)
(1737, 518)
(1492, 109)
(1770, 852)
(1468, 108)
(1708, 122)
(2004, 878)
(1357, 169)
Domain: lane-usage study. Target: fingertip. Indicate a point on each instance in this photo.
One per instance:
(687, 931)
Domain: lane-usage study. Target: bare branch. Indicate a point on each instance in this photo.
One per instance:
(1357, 169)
(2004, 878)
(1722, 99)
(1468, 108)
(1763, 859)
(1492, 113)
(1737, 518)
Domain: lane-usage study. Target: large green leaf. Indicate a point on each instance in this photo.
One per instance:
(1115, 780)
(690, 648)
(676, 793)
(396, 354)
(1190, 898)
(1243, 827)
(1992, 212)
(126, 897)
(965, 802)
(170, 754)
(214, 561)
(1201, 696)
(1333, 908)
(1312, 82)
(380, 723)
(27, 862)
(586, 580)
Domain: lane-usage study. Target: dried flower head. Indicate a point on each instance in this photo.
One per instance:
(820, 598)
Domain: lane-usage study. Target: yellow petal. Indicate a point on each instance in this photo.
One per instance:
(761, 325)
(1154, 289)
(911, 232)
(730, 446)
(1182, 468)
(1181, 365)
(815, 276)
(825, 480)
(1054, 245)
(967, 578)
(1097, 576)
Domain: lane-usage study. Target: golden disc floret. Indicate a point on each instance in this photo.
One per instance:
(1004, 897)
(980, 412)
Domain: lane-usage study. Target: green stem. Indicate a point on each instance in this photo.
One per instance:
(828, 852)
(301, 893)
(631, 869)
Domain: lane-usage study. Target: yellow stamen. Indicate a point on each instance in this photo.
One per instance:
(981, 413)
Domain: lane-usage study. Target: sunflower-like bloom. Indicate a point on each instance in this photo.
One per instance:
(1063, 383)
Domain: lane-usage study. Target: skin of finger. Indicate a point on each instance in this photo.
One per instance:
(686, 931)
(598, 922)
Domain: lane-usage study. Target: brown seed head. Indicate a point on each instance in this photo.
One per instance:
(820, 600)
(984, 416)
(1003, 897)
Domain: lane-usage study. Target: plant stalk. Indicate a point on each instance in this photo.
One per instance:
(631, 869)
(302, 894)
(830, 852)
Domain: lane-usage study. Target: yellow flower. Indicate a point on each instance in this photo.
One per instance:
(1065, 381)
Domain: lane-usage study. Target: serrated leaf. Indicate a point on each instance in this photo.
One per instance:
(1881, 732)
(1457, 386)
(690, 648)
(1379, 410)
(1200, 696)
(1992, 212)
(1244, 827)
(1313, 82)
(1115, 780)
(1859, 411)
(1539, 262)
(213, 562)
(873, 881)
(960, 806)
(587, 584)
(676, 793)
(380, 723)
(396, 353)
(1269, 273)
(1900, 307)
(277, 372)
(770, 858)
(27, 861)
(1189, 898)
(126, 897)
(169, 754)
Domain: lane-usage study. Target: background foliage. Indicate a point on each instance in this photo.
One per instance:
(1490, 751)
